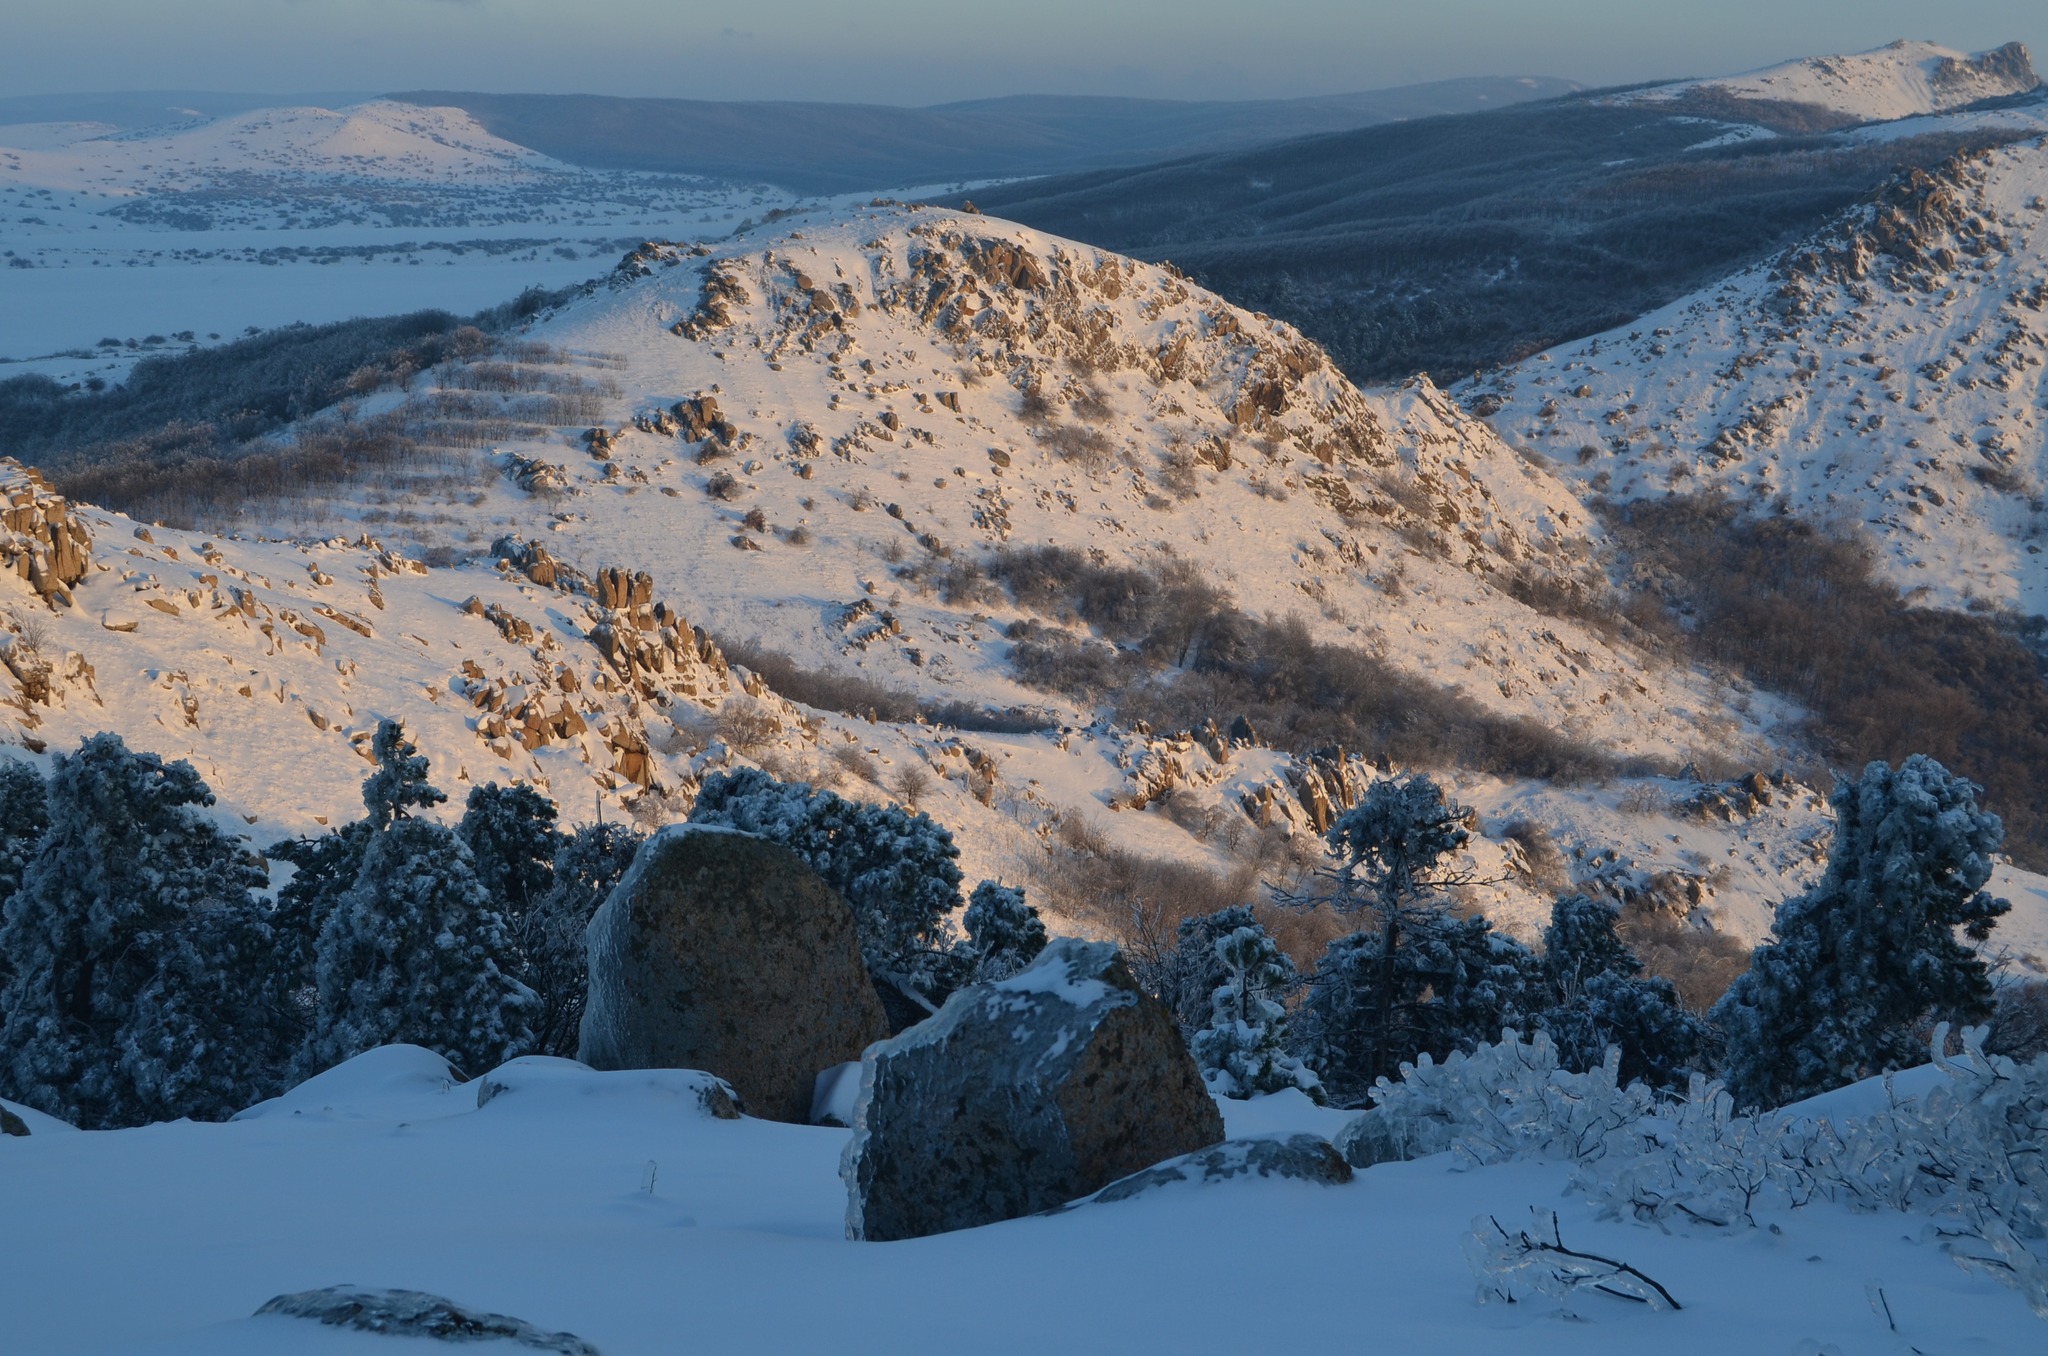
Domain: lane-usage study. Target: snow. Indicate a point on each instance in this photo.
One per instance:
(536, 1205)
(1895, 81)
(1882, 405)
(284, 215)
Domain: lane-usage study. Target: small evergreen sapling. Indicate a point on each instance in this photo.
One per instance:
(1868, 955)
(1004, 933)
(1243, 1050)
(412, 951)
(511, 834)
(1600, 998)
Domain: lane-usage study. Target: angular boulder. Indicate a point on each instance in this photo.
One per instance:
(1020, 1096)
(724, 952)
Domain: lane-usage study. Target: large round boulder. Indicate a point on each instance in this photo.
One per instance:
(724, 952)
(1020, 1096)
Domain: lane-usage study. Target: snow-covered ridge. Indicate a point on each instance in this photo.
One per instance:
(1899, 80)
(1891, 373)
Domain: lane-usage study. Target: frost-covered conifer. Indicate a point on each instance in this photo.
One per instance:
(1859, 961)
(512, 835)
(24, 815)
(1004, 933)
(129, 897)
(412, 951)
(896, 869)
(1186, 977)
(1242, 1051)
(1418, 979)
(549, 938)
(399, 785)
(1600, 997)
(1448, 984)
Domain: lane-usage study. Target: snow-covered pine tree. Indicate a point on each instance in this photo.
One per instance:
(896, 869)
(128, 893)
(512, 835)
(324, 869)
(549, 939)
(217, 1026)
(412, 951)
(1452, 984)
(24, 816)
(1600, 997)
(1004, 933)
(1868, 955)
(1243, 1050)
(1186, 977)
(1418, 979)
(399, 785)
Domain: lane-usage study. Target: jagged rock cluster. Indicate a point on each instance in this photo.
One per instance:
(41, 540)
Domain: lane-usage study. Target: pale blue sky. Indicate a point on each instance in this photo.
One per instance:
(924, 51)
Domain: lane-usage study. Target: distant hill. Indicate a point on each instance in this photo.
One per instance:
(156, 108)
(825, 147)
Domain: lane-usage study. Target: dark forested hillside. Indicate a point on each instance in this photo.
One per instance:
(1449, 244)
(837, 148)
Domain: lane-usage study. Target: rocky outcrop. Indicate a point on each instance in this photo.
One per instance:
(11, 1124)
(724, 952)
(1021, 1096)
(414, 1313)
(41, 541)
(1301, 1158)
(1371, 1138)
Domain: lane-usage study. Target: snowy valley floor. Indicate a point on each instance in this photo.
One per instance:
(384, 1173)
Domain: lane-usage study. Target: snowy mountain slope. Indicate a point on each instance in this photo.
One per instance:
(994, 386)
(894, 392)
(1895, 81)
(611, 1206)
(1166, 426)
(1887, 376)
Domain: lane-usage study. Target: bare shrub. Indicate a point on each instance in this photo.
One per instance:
(850, 694)
(1808, 615)
(747, 726)
(1179, 472)
(2019, 1024)
(911, 784)
(1644, 798)
(1699, 962)
(724, 486)
(1542, 863)
(1093, 405)
(1089, 448)
(853, 760)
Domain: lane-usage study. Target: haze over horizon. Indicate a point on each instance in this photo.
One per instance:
(916, 52)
